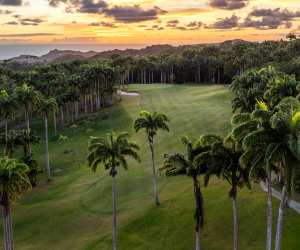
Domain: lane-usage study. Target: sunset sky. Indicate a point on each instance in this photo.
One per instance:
(145, 21)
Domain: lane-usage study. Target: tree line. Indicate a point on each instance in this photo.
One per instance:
(211, 63)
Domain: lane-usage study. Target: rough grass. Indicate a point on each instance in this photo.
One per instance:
(74, 211)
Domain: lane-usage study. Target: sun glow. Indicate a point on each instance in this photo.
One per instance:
(145, 21)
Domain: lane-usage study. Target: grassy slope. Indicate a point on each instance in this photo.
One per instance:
(74, 212)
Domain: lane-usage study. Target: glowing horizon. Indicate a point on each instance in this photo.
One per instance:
(145, 22)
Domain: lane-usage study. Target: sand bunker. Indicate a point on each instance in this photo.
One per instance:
(129, 93)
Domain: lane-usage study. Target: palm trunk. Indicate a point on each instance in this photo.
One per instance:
(198, 212)
(114, 222)
(235, 224)
(7, 224)
(28, 129)
(54, 123)
(282, 206)
(47, 149)
(154, 177)
(6, 136)
(85, 104)
(62, 117)
(269, 213)
(197, 243)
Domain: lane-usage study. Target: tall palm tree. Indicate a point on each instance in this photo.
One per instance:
(29, 97)
(254, 156)
(47, 106)
(14, 181)
(7, 109)
(186, 164)
(151, 123)
(283, 149)
(111, 152)
(222, 160)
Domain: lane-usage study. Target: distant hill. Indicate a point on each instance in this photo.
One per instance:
(68, 55)
(53, 55)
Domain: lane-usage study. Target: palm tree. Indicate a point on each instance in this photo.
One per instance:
(14, 181)
(29, 97)
(20, 138)
(283, 149)
(249, 87)
(222, 160)
(186, 164)
(152, 122)
(46, 106)
(254, 156)
(280, 87)
(10, 140)
(111, 152)
(7, 108)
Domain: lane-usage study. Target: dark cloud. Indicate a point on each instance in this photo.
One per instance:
(183, 28)
(83, 6)
(55, 3)
(259, 19)
(121, 13)
(156, 27)
(25, 21)
(89, 6)
(172, 23)
(270, 18)
(11, 2)
(128, 14)
(103, 24)
(195, 25)
(31, 21)
(225, 23)
(5, 12)
(228, 4)
(28, 34)
(12, 23)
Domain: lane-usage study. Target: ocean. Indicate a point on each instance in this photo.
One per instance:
(13, 50)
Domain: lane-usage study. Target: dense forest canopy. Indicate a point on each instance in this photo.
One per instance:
(217, 63)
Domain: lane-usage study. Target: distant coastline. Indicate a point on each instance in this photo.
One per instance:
(8, 51)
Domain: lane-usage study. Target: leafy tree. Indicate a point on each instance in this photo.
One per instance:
(10, 140)
(222, 160)
(7, 109)
(111, 152)
(29, 97)
(47, 106)
(280, 87)
(20, 138)
(274, 141)
(13, 182)
(254, 156)
(250, 87)
(151, 123)
(186, 164)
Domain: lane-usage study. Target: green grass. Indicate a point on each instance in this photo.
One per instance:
(74, 211)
